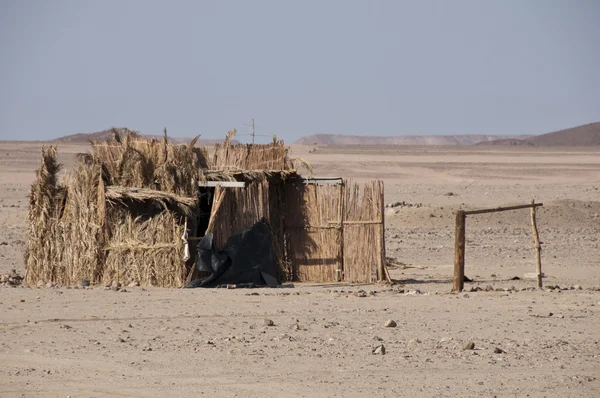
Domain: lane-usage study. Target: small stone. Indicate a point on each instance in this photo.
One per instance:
(470, 346)
(488, 288)
(414, 341)
(134, 284)
(379, 350)
(123, 290)
(377, 338)
(85, 282)
(40, 284)
(577, 287)
(465, 295)
(498, 351)
(360, 293)
(50, 284)
(268, 322)
(390, 323)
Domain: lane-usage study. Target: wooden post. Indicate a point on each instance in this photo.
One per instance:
(459, 252)
(383, 269)
(538, 247)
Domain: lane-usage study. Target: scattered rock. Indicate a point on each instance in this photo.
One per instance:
(390, 323)
(488, 288)
(360, 293)
(577, 287)
(470, 346)
(377, 338)
(465, 295)
(123, 290)
(498, 351)
(134, 284)
(414, 341)
(85, 282)
(449, 194)
(268, 322)
(379, 350)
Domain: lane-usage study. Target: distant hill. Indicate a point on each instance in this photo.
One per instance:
(336, 139)
(506, 142)
(585, 135)
(84, 138)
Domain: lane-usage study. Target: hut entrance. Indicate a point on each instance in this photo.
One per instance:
(205, 203)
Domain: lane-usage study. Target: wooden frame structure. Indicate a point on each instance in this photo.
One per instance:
(459, 243)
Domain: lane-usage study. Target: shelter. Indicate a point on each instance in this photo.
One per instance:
(134, 209)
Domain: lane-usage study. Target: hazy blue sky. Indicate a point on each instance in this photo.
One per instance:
(298, 67)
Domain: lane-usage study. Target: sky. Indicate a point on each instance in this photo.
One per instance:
(357, 67)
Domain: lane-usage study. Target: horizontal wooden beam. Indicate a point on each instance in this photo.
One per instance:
(507, 208)
(222, 184)
(323, 181)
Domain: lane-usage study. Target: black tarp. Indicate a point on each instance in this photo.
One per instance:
(247, 260)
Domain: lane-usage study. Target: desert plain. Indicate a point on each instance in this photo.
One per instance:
(500, 337)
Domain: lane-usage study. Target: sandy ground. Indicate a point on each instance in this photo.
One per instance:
(169, 342)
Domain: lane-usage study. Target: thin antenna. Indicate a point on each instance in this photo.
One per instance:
(252, 132)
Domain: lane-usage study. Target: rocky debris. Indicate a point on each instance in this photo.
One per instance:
(379, 350)
(360, 293)
(393, 205)
(577, 287)
(85, 282)
(390, 323)
(11, 279)
(469, 346)
(134, 284)
(498, 351)
(414, 341)
(449, 194)
(488, 288)
(268, 322)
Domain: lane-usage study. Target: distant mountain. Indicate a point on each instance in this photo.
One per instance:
(84, 138)
(585, 135)
(336, 139)
(506, 142)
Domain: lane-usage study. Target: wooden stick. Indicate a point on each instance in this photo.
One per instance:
(538, 247)
(381, 209)
(506, 208)
(459, 252)
(342, 210)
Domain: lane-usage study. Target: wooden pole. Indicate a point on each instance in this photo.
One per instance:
(459, 252)
(384, 271)
(538, 247)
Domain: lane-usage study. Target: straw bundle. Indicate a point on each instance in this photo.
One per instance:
(45, 202)
(249, 156)
(130, 160)
(145, 250)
